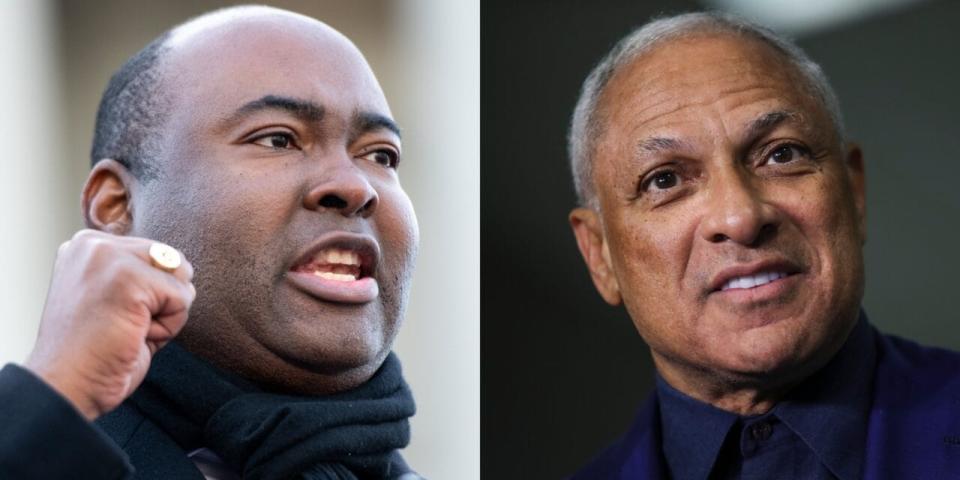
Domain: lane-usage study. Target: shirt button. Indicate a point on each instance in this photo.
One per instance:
(761, 431)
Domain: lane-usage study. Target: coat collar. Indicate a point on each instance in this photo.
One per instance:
(153, 454)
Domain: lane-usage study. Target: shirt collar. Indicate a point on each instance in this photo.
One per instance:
(693, 432)
(828, 411)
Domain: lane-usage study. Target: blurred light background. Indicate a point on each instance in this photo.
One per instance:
(563, 373)
(56, 59)
(794, 18)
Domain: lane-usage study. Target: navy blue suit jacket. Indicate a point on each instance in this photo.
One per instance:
(913, 430)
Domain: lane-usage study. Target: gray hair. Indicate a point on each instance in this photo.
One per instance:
(586, 126)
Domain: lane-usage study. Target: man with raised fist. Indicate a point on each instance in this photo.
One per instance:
(259, 144)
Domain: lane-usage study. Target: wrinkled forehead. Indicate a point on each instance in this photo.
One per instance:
(730, 74)
(214, 65)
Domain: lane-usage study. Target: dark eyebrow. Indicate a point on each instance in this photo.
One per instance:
(768, 121)
(364, 122)
(304, 110)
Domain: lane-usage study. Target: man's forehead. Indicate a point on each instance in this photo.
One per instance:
(741, 79)
(225, 20)
(236, 59)
(248, 37)
(708, 62)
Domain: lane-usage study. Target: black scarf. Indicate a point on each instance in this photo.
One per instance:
(346, 436)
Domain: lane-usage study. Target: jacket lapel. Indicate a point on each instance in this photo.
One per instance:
(913, 430)
(152, 452)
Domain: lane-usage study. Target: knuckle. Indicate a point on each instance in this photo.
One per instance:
(100, 251)
(122, 272)
(188, 269)
(189, 294)
(87, 235)
(82, 234)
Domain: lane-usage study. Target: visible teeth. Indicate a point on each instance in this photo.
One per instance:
(340, 277)
(336, 256)
(750, 281)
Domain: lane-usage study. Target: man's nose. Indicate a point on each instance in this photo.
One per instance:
(342, 186)
(738, 212)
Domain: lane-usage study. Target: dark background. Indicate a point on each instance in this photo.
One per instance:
(563, 373)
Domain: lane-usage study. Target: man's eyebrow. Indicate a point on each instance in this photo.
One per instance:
(755, 129)
(768, 121)
(364, 122)
(654, 145)
(304, 110)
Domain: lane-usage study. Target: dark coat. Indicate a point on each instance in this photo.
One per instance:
(154, 454)
(45, 437)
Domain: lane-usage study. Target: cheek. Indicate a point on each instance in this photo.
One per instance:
(650, 253)
(829, 227)
(399, 234)
(830, 221)
(402, 222)
(226, 220)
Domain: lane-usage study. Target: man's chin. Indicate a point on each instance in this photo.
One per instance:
(324, 371)
(765, 361)
(352, 348)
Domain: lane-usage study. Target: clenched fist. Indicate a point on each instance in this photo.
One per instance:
(108, 311)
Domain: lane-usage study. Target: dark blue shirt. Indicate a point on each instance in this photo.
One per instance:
(817, 432)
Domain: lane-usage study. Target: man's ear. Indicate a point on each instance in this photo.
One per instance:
(592, 242)
(858, 184)
(106, 197)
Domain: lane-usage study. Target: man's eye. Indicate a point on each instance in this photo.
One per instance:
(386, 157)
(279, 141)
(663, 180)
(786, 154)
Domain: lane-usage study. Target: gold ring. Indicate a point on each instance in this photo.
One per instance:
(164, 257)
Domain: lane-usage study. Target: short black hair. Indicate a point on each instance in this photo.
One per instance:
(132, 110)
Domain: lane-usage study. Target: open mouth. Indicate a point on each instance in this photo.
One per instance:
(339, 268)
(335, 264)
(746, 277)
